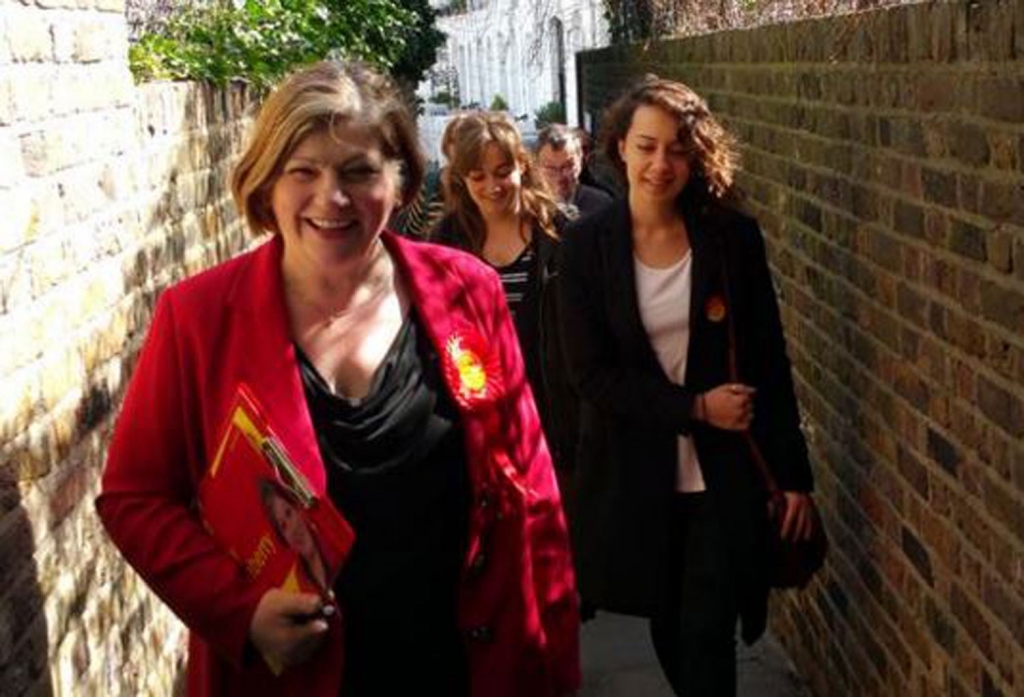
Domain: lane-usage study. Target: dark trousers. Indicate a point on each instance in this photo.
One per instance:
(694, 627)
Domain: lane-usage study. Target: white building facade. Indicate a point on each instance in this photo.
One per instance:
(522, 50)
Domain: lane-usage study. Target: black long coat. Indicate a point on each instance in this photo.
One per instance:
(631, 413)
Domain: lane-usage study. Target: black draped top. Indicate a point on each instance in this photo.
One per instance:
(396, 469)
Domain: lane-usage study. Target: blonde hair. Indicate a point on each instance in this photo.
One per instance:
(316, 97)
(714, 156)
(470, 138)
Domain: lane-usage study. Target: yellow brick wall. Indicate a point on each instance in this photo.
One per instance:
(107, 194)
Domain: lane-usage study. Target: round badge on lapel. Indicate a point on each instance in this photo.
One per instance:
(472, 369)
(714, 308)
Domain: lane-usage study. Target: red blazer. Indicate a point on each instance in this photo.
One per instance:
(517, 604)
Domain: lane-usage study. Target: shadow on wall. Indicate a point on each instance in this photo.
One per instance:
(194, 212)
(73, 616)
(23, 631)
(191, 136)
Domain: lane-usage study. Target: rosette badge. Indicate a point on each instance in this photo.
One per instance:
(714, 308)
(472, 369)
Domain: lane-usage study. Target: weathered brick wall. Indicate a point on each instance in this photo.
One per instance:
(884, 157)
(107, 193)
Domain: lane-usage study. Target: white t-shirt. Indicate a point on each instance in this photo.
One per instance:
(664, 299)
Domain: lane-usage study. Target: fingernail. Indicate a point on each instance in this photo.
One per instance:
(328, 610)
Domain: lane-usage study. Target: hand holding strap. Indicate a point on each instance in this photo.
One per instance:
(762, 466)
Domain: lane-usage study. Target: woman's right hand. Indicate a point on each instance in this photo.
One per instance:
(288, 627)
(729, 406)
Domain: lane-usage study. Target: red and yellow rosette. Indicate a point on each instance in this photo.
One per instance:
(472, 369)
(714, 308)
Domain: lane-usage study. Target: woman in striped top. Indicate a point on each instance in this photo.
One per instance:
(501, 210)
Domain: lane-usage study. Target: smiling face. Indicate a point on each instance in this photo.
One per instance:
(657, 163)
(333, 196)
(494, 185)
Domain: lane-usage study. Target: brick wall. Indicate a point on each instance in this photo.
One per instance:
(884, 157)
(107, 193)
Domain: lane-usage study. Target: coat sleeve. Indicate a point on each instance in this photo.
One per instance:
(147, 496)
(777, 420)
(602, 377)
(547, 533)
(563, 402)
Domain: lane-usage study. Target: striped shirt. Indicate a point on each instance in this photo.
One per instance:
(516, 277)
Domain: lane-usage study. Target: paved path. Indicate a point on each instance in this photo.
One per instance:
(619, 661)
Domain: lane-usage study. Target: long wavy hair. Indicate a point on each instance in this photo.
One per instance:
(714, 157)
(469, 140)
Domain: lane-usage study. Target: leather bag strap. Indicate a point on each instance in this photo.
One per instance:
(762, 466)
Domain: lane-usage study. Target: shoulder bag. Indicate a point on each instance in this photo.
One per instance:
(792, 563)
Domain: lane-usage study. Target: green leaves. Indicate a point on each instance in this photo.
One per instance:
(499, 103)
(263, 40)
(552, 112)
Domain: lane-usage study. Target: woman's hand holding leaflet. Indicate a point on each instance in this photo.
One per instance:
(288, 627)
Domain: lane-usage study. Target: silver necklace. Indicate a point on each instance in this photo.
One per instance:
(380, 288)
(377, 292)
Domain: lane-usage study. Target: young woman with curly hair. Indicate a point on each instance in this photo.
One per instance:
(670, 516)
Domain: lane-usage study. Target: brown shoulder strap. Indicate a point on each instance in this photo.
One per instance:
(755, 451)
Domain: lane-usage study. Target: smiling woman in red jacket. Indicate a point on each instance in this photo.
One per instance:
(355, 342)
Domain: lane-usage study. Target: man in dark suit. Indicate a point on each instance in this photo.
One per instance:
(560, 156)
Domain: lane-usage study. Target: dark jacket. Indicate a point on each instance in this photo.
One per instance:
(631, 413)
(589, 199)
(540, 341)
